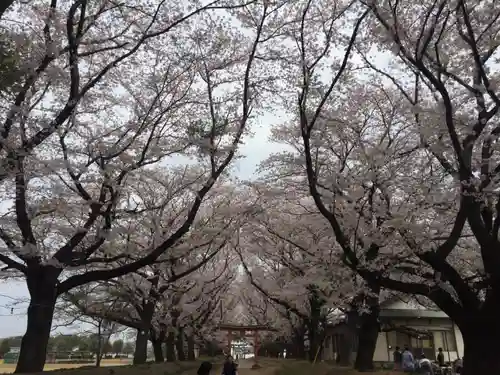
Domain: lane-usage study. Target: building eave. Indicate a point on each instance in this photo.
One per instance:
(402, 313)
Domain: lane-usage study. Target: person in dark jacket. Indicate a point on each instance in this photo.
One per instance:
(205, 368)
(458, 365)
(398, 358)
(229, 367)
(440, 357)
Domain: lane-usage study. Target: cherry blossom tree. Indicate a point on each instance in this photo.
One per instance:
(400, 157)
(5, 6)
(287, 253)
(102, 328)
(261, 310)
(181, 310)
(453, 89)
(63, 64)
(152, 300)
(190, 316)
(350, 141)
(111, 94)
(257, 309)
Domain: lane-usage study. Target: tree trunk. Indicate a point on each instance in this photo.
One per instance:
(298, 343)
(170, 344)
(344, 350)
(480, 328)
(158, 351)
(98, 354)
(314, 345)
(141, 342)
(42, 286)
(481, 348)
(141, 347)
(481, 356)
(315, 324)
(367, 339)
(179, 345)
(191, 355)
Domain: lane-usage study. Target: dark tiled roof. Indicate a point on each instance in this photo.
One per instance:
(413, 313)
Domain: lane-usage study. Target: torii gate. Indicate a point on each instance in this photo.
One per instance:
(248, 331)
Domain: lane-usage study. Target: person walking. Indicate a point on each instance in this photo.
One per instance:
(398, 358)
(425, 365)
(440, 357)
(408, 361)
(229, 367)
(458, 365)
(205, 368)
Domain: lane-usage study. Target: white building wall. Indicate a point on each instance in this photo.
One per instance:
(382, 349)
(459, 341)
(449, 355)
(405, 305)
(384, 354)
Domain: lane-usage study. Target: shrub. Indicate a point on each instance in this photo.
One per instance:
(75, 361)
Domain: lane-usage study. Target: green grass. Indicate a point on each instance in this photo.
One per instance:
(174, 368)
(294, 367)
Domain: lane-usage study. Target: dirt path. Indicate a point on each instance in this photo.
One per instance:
(245, 368)
(262, 371)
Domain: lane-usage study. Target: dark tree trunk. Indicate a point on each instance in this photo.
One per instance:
(179, 345)
(141, 347)
(98, 355)
(170, 347)
(298, 343)
(141, 342)
(481, 354)
(158, 350)
(42, 286)
(315, 324)
(190, 348)
(314, 344)
(480, 333)
(367, 341)
(344, 349)
(367, 334)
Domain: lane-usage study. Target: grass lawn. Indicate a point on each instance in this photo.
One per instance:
(269, 367)
(114, 367)
(293, 367)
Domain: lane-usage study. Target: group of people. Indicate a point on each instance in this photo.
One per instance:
(406, 362)
(229, 368)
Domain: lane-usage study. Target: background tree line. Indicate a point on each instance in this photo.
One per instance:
(67, 344)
